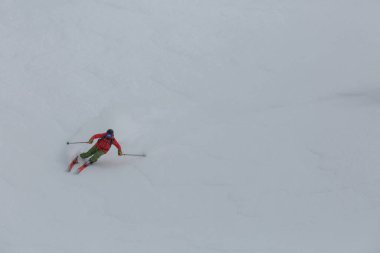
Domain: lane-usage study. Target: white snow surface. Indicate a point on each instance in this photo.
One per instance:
(260, 120)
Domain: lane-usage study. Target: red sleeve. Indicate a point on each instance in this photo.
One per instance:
(97, 136)
(117, 145)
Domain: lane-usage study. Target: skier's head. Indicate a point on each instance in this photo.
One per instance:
(109, 133)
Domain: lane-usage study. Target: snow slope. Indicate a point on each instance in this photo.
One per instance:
(260, 120)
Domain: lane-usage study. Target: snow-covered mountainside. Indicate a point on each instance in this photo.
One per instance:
(260, 121)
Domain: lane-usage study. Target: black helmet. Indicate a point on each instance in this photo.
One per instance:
(110, 132)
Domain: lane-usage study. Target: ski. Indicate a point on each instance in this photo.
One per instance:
(73, 162)
(81, 168)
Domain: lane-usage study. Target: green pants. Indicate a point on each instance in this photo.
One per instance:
(94, 152)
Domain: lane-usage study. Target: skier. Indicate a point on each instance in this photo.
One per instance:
(106, 140)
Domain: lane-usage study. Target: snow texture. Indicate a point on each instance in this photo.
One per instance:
(260, 120)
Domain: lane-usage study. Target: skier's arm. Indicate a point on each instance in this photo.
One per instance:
(96, 136)
(117, 145)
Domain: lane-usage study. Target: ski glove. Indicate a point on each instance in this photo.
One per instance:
(120, 153)
(91, 141)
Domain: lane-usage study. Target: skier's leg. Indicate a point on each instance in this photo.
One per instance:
(96, 156)
(89, 153)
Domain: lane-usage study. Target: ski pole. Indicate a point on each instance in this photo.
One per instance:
(144, 155)
(68, 143)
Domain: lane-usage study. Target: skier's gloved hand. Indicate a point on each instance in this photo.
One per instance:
(120, 153)
(90, 141)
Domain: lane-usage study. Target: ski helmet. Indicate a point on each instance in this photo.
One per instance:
(109, 133)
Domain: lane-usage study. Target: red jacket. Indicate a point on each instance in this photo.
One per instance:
(105, 144)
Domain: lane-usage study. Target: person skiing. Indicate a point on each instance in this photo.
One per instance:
(102, 146)
(106, 140)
